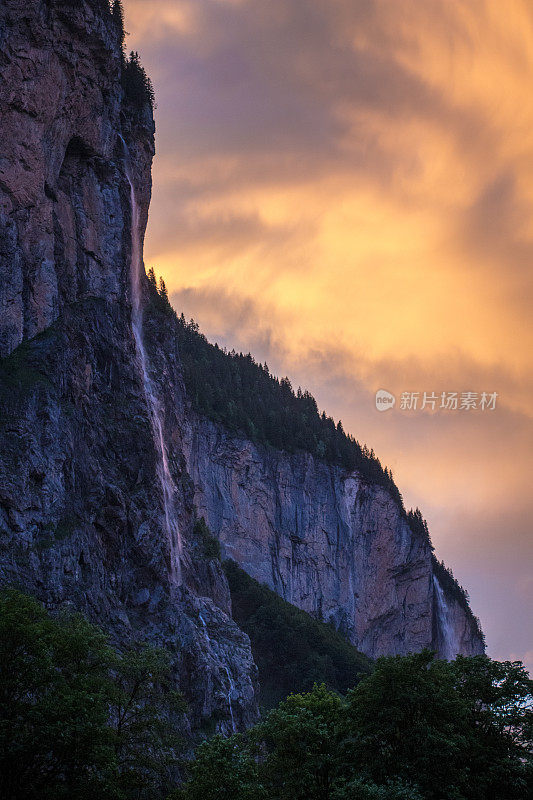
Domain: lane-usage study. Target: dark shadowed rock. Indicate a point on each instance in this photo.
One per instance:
(81, 517)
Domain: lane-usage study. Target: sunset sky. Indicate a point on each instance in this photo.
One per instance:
(345, 189)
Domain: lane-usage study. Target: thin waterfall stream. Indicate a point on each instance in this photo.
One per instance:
(230, 698)
(163, 471)
(444, 616)
(204, 626)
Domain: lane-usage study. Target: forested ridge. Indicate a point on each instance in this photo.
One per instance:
(242, 394)
(236, 391)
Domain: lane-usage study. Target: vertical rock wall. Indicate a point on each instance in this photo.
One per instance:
(81, 507)
(327, 541)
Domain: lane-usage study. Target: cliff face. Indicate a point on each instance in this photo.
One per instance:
(98, 444)
(82, 507)
(62, 221)
(326, 541)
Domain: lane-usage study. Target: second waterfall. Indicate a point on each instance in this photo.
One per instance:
(152, 401)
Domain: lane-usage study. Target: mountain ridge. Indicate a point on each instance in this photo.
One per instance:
(82, 502)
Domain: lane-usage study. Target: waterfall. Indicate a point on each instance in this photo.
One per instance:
(230, 693)
(154, 409)
(445, 636)
(202, 620)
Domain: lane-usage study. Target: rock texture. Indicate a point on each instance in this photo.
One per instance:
(81, 511)
(328, 542)
(60, 98)
(81, 503)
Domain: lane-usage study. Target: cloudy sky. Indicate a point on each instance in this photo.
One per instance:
(345, 189)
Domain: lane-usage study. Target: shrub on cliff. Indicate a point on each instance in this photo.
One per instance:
(209, 544)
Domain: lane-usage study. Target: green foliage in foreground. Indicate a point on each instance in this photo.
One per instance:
(415, 729)
(291, 649)
(78, 719)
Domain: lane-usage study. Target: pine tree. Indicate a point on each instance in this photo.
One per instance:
(117, 13)
(163, 289)
(137, 85)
